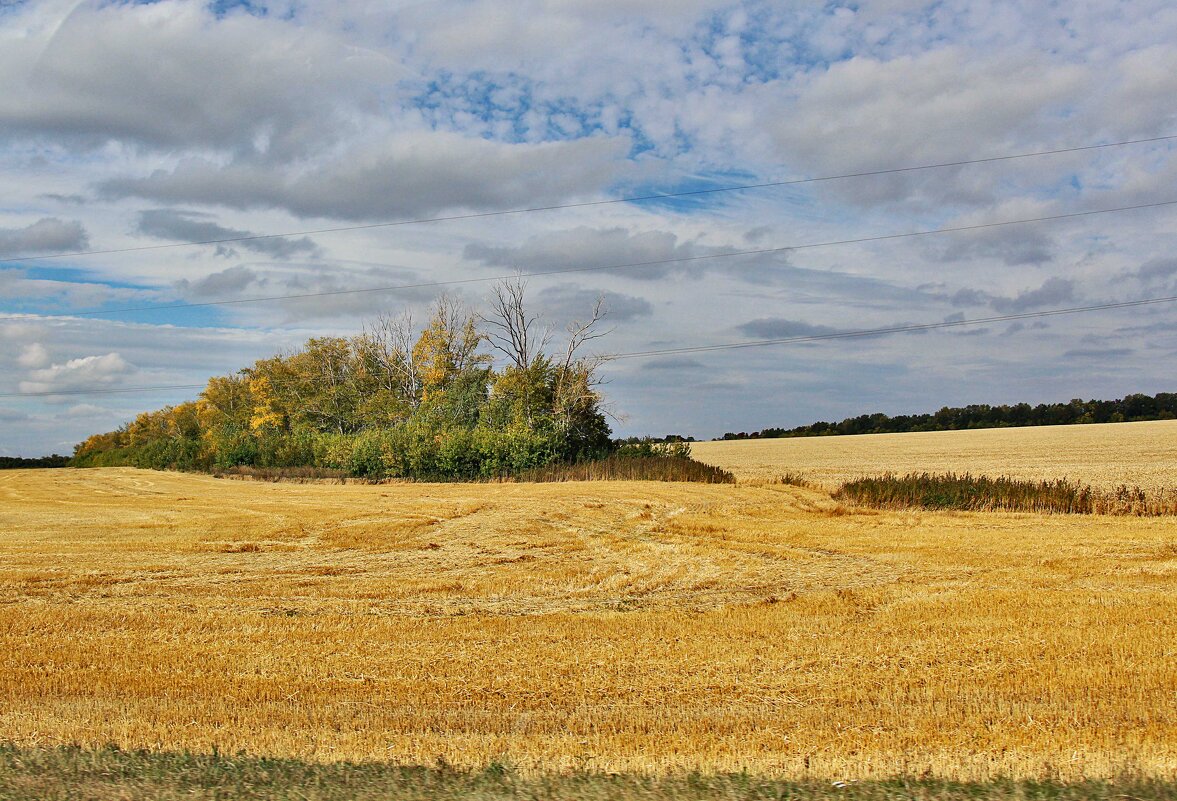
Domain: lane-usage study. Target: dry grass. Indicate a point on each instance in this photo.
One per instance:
(966, 492)
(642, 627)
(1105, 456)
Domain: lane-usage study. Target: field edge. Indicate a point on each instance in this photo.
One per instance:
(80, 774)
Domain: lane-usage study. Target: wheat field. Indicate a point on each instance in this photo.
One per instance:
(1105, 456)
(620, 626)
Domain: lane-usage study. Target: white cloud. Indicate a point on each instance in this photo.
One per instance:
(83, 373)
(34, 355)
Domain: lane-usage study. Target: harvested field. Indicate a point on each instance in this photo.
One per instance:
(624, 626)
(1105, 456)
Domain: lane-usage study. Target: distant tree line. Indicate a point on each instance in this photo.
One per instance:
(19, 462)
(1131, 408)
(392, 401)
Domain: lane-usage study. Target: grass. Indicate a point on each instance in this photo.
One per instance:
(294, 474)
(639, 628)
(100, 774)
(966, 492)
(613, 468)
(631, 468)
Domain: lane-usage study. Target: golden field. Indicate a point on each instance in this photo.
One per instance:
(1105, 456)
(604, 626)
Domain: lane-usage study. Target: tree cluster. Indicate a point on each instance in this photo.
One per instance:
(393, 401)
(1130, 408)
(22, 463)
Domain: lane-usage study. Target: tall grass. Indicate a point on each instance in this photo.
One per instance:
(620, 467)
(967, 492)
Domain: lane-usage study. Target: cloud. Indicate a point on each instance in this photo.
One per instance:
(1157, 269)
(16, 286)
(44, 236)
(410, 175)
(779, 328)
(194, 226)
(1052, 292)
(171, 74)
(12, 416)
(597, 247)
(1098, 354)
(85, 410)
(34, 355)
(868, 112)
(572, 302)
(84, 373)
(225, 284)
(673, 364)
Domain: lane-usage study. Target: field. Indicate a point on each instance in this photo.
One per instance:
(1143, 454)
(605, 626)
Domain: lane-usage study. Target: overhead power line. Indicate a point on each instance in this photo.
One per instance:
(101, 391)
(898, 329)
(865, 332)
(623, 266)
(591, 203)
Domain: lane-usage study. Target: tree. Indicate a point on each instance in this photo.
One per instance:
(453, 373)
(389, 376)
(538, 388)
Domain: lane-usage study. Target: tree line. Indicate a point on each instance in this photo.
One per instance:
(393, 401)
(24, 463)
(1131, 408)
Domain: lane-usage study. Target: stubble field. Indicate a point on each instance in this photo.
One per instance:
(1105, 456)
(599, 626)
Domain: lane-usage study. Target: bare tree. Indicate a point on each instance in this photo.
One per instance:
(512, 330)
(386, 350)
(577, 377)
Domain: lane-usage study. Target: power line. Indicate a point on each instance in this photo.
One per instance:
(899, 329)
(866, 332)
(591, 203)
(622, 266)
(100, 391)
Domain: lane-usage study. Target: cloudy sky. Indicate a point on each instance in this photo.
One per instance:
(126, 127)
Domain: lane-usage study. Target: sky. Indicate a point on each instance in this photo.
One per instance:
(144, 127)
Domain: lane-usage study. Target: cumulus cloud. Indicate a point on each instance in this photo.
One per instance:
(44, 236)
(34, 355)
(83, 373)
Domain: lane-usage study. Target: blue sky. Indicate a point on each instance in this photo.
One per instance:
(128, 125)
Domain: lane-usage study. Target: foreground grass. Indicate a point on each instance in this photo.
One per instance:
(96, 775)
